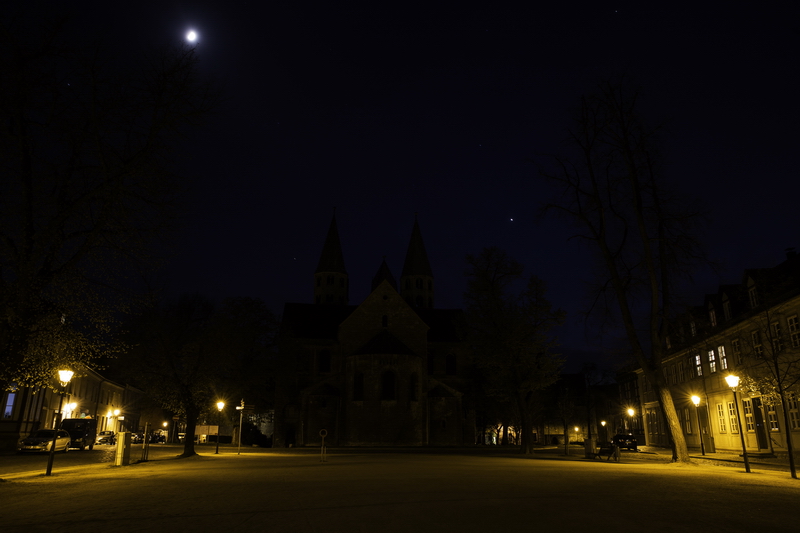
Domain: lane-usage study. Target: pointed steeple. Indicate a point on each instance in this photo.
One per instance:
(330, 279)
(416, 281)
(384, 274)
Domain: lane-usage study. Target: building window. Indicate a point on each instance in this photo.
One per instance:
(671, 375)
(687, 420)
(324, 361)
(737, 350)
(8, 408)
(794, 331)
(693, 328)
(451, 365)
(413, 385)
(772, 416)
(668, 343)
(749, 419)
(388, 386)
(331, 280)
(777, 341)
(726, 309)
(418, 283)
(723, 359)
(698, 365)
(723, 427)
(758, 348)
(712, 361)
(732, 417)
(712, 316)
(794, 413)
(681, 373)
(752, 294)
(358, 387)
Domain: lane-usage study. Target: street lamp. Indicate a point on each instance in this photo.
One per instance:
(605, 434)
(733, 382)
(220, 405)
(63, 377)
(240, 408)
(576, 433)
(631, 412)
(696, 402)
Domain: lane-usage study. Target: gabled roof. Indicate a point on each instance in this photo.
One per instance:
(332, 259)
(384, 274)
(416, 263)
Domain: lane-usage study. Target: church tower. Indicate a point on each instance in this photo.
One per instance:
(416, 281)
(331, 285)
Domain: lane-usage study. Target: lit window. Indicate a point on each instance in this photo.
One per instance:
(698, 365)
(794, 331)
(732, 417)
(794, 413)
(8, 409)
(723, 427)
(712, 361)
(772, 416)
(723, 359)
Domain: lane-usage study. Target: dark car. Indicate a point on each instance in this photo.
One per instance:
(625, 441)
(82, 430)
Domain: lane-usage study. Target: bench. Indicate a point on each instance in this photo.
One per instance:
(608, 451)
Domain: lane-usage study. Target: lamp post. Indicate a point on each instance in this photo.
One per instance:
(240, 408)
(220, 405)
(631, 412)
(165, 424)
(733, 382)
(63, 377)
(696, 402)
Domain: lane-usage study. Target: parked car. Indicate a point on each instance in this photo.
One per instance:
(106, 437)
(137, 438)
(625, 441)
(82, 430)
(41, 440)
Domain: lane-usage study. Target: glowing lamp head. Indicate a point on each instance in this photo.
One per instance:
(220, 405)
(603, 423)
(733, 381)
(631, 412)
(164, 424)
(576, 429)
(696, 400)
(71, 406)
(116, 412)
(64, 376)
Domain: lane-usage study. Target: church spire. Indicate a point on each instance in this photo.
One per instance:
(416, 281)
(384, 274)
(330, 279)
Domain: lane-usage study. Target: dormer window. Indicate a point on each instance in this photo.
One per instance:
(752, 294)
(726, 308)
(712, 316)
(693, 328)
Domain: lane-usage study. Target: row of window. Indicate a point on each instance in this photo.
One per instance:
(388, 387)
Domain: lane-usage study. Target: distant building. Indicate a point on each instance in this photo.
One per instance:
(748, 329)
(389, 371)
(88, 395)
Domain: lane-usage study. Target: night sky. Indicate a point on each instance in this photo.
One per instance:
(395, 110)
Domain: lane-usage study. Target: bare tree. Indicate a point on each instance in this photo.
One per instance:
(612, 189)
(510, 334)
(771, 358)
(87, 184)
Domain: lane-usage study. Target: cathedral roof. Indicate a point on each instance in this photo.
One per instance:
(332, 259)
(417, 263)
(384, 274)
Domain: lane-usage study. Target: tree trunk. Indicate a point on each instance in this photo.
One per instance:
(192, 415)
(526, 442)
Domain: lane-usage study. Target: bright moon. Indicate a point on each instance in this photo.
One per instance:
(191, 36)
